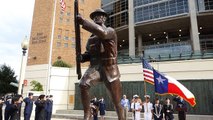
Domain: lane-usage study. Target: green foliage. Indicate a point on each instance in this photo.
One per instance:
(7, 75)
(37, 86)
(61, 63)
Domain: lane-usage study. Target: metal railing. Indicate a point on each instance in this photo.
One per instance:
(167, 57)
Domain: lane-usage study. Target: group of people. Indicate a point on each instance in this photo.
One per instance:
(43, 109)
(98, 106)
(154, 111)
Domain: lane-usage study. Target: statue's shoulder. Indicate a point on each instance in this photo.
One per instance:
(111, 29)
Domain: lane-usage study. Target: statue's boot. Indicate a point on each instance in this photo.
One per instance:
(86, 102)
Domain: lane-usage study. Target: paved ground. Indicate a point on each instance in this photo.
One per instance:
(32, 118)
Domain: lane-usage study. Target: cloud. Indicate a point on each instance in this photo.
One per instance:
(15, 21)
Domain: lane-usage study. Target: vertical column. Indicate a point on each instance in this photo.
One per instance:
(194, 26)
(139, 44)
(131, 29)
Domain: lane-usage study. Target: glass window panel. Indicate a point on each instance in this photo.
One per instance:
(58, 44)
(66, 45)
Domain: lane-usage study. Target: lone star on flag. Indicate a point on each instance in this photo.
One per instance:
(160, 80)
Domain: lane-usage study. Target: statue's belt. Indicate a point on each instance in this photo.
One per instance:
(104, 61)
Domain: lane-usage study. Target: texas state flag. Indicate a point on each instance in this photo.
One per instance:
(168, 85)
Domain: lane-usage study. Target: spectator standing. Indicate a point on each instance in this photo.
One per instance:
(40, 108)
(136, 107)
(94, 106)
(8, 104)
(20, 104)
(148, 108)
(158, 110)
(181, 108)
(49, 107)
(1, 105)
(28, 106)
(126, 106)
(102, 108)
(15, 108)
(168, 110)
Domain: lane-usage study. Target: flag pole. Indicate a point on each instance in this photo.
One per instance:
(51, 46)
(144, 82)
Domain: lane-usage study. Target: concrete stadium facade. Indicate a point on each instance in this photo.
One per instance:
(155, 27)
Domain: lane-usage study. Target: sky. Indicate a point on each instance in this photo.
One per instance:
(15, 24)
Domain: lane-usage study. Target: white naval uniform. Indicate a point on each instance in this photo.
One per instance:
(148, 107)
(137, 106)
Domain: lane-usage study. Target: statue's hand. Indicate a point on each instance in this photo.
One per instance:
(80, 19)
(80, 58)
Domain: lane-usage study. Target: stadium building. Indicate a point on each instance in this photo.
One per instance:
(161, 28)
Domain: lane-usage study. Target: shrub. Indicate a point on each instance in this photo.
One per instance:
(61, 63)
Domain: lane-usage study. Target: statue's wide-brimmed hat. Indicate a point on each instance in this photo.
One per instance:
(98, 11)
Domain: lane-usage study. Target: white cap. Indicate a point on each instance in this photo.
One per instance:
(146, 96)
(135, 96)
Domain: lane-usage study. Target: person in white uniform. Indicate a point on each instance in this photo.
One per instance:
(136, 107)
(148, 108)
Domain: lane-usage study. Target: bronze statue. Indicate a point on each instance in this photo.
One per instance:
(101, 51)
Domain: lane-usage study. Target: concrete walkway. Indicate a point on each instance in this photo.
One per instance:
(32, 118)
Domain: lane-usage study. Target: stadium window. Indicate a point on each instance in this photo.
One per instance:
(66, 35)
(73, 45)
(58, 44)
(82, 35)
(66, 45)
(59, 36)
(73, 39)
(59, 33)
(82, 1)
(61, 13)
(82, 12)
(66, 38)
(68, 11)
(60, 20)
(68, 20)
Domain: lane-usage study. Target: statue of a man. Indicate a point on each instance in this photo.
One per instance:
(101, 51)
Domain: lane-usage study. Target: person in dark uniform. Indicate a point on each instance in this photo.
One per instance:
(181, 108)
(40, 113)
(102, 108)
(158, 110)
(8, 104)
(28, 106)
(20, 104)
(168, 110)
(49, 107)
(1, 105)
(94, 106)
(14, 108)
(101, 51)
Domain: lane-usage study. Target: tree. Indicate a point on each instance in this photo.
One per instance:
(7, 75)
(37, 86)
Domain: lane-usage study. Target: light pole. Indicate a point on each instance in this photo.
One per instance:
(24, 46)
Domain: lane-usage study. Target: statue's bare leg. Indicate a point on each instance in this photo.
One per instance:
(85, 101)
(115, 92)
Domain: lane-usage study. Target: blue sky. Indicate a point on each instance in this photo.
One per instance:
(15, 24)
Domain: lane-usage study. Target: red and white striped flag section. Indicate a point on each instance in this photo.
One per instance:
(148, 72)
(63, 5)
